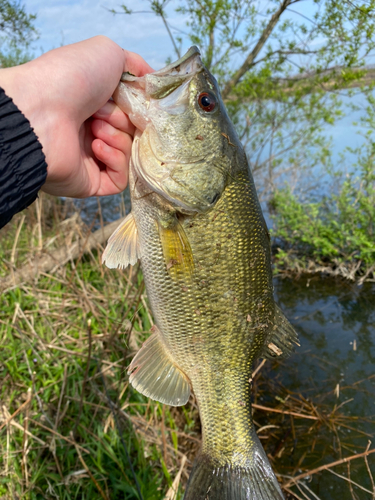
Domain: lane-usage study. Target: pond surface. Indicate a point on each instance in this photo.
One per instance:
(335, 365)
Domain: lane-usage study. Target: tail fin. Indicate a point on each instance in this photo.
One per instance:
(252, 481)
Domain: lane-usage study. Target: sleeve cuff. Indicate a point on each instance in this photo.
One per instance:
(23, 169)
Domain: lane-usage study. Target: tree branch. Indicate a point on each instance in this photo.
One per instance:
(171, 36)
(332, 82)
(286, 53)
(258, 47)
(157, 7)
(210, 51)
(333, 79)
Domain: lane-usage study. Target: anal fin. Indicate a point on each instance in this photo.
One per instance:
(123, 246)
(154, 374)
(282, 340)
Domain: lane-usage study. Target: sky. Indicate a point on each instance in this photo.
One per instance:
(61, 22)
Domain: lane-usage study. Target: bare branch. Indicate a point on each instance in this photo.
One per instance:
(333, 79)
(171, 36)
(295, 479)
(210, 51)
(297, 52)
(262, 40)
(157, 7)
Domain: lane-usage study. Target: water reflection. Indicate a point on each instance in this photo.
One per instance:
(334, 366)
(335, 321)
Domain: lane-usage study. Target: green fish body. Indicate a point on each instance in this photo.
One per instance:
(197, 227)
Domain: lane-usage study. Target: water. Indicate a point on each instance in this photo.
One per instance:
(107, 208)
(335, 365)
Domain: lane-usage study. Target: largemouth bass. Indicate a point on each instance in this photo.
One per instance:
(197, 227)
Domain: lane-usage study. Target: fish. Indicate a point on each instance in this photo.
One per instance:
(197, 228)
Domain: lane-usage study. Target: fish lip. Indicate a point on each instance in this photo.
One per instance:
(161, 83)
(192, 52)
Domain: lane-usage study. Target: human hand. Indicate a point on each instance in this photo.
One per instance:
(65, 95)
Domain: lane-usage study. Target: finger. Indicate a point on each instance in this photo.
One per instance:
(135, 64)
(112, 114)
(107, 186)
(115, 174)
(112, 136)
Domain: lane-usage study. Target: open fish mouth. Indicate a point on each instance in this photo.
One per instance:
(161, 83)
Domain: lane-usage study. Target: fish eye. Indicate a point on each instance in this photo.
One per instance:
(207, 101)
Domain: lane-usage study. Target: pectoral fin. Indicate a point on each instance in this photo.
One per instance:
(123, 246)
(177, 251)
(281, 342)
(154, 374)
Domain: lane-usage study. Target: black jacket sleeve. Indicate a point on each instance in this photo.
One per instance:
(23, 168)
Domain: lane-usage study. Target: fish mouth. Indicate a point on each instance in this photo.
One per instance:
(163, 82)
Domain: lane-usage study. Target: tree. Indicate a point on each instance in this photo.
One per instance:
(284, 68)
(17, 31)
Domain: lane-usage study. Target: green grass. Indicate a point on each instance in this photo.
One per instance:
(65, 338)
(46, 348)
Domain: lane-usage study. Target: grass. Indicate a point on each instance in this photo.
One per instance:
(71, 427)
(66, 340)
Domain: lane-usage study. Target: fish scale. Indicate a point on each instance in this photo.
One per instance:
(197, 227)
